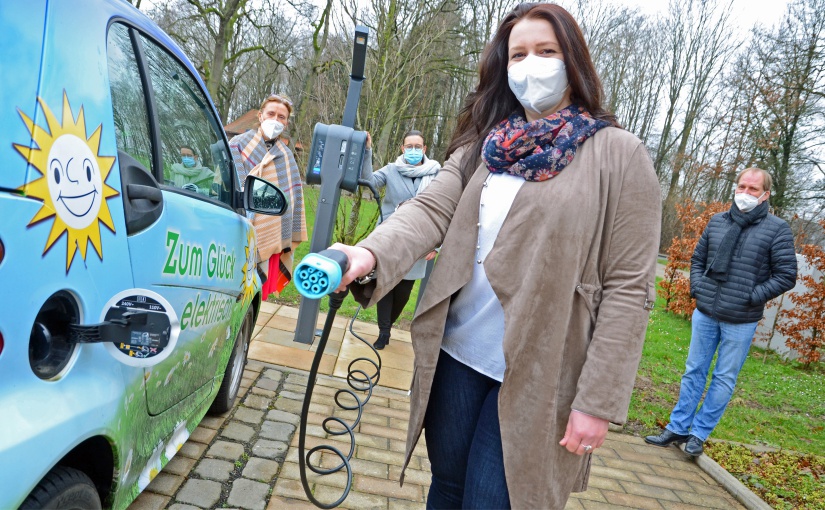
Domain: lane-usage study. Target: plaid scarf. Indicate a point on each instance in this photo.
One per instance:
(277, 165)
(538, 150)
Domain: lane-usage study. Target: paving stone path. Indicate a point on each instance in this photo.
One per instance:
(248, 458)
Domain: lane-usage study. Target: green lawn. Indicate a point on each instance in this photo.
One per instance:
(776, 402)
(782, 480)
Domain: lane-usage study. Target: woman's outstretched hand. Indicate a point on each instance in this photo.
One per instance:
(361, 262)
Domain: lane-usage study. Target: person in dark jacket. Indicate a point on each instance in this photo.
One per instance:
(744, 259)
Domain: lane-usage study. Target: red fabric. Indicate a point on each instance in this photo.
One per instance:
(279, 276)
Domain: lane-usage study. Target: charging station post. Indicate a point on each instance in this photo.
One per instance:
(335, 163)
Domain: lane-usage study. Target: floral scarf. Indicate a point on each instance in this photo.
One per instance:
(538, 150)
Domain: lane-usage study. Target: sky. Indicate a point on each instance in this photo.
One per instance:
(745, 12)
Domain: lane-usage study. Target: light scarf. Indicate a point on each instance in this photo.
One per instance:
(426, 171)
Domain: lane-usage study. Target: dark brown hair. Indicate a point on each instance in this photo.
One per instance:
(493, 101)
(412, 132)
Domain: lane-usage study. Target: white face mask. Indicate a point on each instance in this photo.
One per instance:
(746, 202)
(538, 82)
(272, 128)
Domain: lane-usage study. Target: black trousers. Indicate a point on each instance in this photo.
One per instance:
(390, 306)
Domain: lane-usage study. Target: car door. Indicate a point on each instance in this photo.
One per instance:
(187, 241)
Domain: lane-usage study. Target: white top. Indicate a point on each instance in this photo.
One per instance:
(474, 332)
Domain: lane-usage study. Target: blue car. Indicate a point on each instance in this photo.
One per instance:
(128, 282)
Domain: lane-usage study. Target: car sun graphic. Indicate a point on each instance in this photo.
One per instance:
(250, 266)
(72, 183)
(76, 196)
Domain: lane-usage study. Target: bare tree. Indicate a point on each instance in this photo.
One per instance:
(218, 33)
(790, 81)
(320, 33)
(698, 44)
(706, 104)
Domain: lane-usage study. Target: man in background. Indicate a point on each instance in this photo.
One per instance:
(744, 259)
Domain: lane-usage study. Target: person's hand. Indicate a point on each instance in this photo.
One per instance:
(361, 262)
(584, 430)
(430, 255)
(369, 140)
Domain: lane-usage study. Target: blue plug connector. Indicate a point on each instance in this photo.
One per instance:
(320, 273)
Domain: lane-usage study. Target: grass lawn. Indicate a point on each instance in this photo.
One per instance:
(784, 481)
(776, 403)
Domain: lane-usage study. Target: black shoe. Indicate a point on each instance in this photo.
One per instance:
(694, 446)
(666, 438)
(383, 341)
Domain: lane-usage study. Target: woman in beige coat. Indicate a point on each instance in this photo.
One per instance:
(529, 334)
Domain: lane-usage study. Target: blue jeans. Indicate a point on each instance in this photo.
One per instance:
(733, 342)
(464, 440)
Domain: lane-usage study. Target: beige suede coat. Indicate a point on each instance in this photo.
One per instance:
(574, 269)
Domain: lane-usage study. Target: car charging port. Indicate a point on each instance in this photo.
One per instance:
(50, 350)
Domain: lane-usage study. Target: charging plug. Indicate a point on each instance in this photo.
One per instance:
(320, 273)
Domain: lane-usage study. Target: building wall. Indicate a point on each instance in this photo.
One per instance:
(776, 342)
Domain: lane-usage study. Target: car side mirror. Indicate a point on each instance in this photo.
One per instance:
(262, 197)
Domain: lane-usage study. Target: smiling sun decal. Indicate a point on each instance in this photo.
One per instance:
(250, 266)
(72, 185)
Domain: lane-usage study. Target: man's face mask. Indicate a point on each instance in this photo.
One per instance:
(538, 82)
(413, 156)
(272, 128)
(746, 202)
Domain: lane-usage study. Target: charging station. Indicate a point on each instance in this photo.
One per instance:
(335, 160)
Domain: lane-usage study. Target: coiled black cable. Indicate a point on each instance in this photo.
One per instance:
(359, 381)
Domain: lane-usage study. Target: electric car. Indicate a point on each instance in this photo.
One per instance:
(128, 282)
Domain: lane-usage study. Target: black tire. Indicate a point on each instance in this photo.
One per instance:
(63, 488)
(225, 398)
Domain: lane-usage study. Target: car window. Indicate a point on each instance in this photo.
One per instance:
(128, 101)
(195, 156)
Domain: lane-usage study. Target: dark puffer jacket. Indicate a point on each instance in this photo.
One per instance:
(763, 266)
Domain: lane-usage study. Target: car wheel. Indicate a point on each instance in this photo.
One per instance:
(234, 369)
(63, 488)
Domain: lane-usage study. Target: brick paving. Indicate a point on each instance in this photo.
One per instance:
(248, 457)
